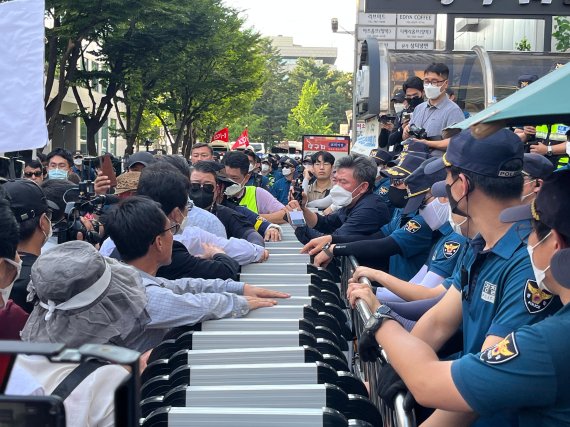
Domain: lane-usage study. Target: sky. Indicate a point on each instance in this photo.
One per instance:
(307, 21)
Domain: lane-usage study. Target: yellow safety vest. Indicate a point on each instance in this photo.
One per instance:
(249, 199)
(552, 133)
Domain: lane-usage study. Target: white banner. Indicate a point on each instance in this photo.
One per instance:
(22, 114)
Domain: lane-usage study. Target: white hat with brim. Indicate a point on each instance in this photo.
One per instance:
(82, 297)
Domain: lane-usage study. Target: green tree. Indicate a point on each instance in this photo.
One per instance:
(306, 117)
(562, 33)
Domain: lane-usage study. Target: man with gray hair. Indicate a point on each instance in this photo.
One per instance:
(361, 211)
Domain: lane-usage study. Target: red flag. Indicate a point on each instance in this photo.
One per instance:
(222, 135)
(242, 141)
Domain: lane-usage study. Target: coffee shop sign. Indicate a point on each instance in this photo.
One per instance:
(490, 2)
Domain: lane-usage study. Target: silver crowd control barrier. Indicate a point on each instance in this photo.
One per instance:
(369, 371)
(284, 365)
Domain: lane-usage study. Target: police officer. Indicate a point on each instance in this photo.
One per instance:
(406, 239)
(492, 292)
(528, 371)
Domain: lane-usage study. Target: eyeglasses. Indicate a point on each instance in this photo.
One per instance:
(208, 188)
(396, 182)
(435, 82)
(174, 228)
(37, 174)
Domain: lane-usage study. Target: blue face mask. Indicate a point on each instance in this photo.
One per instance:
(57, 174)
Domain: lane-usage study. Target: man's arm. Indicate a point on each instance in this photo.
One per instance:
(269, 207)
(436, 145)
(440, 322)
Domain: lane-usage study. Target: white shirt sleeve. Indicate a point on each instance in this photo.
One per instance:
(241, 250)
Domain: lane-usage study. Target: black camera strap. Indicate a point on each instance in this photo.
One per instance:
(70, 383)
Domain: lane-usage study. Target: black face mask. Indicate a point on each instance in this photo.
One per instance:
(453, 204)
(414, 102)
(397, 196)
(201, 198)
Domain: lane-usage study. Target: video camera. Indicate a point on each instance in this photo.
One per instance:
(87, 203)
(418, 133)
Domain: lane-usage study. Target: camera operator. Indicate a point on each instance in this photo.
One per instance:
(413, 89)
(33, 212)
(280, 189)
(59, 164)
(437, 113)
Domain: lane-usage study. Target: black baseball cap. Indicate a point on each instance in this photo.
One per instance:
(399, 96)
(537, 166)
(405, 167)
(560, 266)
(526, 79)
(27, 199)
(550, 207)
(382, 157)
(419, 184)
(416, 147)
(143, 157)
(485, 156)
(438, 189)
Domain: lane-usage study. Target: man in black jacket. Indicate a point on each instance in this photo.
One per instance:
(164, 184)
(206, 190)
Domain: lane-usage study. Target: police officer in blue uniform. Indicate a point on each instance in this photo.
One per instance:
(528, 371)
(494, 291)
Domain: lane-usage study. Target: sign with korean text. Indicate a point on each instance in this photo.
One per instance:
(379, 33)
(388, 19)
(337, 145)
(415, 20)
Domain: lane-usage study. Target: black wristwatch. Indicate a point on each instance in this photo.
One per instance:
(326, 250)
(377, 319)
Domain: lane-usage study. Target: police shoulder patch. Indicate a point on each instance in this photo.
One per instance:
(383, 191)
(412, 226)
(501, 352)
(536, 299)
(450, 248)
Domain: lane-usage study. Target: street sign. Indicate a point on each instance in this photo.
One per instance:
(411, 33)
(478, 7)
(377, 19)
(337, 145)
(413, 45)
(379, 33)
(415, 19)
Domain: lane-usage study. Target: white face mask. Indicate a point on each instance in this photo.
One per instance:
(235, 189)
(341, 197)
(77, 162)
(5, 292)
(398, 107)
(49, 233)
(286, 171)
(378, 171)
(251, 167)
(435, 214)
(264, 167)
(432, 91)
(456, 227)
(183, 225)
(539, 274)
(523, 198)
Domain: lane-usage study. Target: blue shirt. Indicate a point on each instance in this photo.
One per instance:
(280, 190)
(527, 372)
(258, 180)
(447, 251)
(381, 188)
(415, 240)
(501, 295)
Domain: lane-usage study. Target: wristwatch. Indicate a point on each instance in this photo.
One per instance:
(549, 150)
(377, 319)
(326, 250)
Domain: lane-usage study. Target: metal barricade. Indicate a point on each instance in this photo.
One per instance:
(369, 371)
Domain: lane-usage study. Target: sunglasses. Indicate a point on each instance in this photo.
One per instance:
(208, 188)
(37, 174)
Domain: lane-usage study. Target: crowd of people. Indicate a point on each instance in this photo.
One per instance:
(463, 234)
